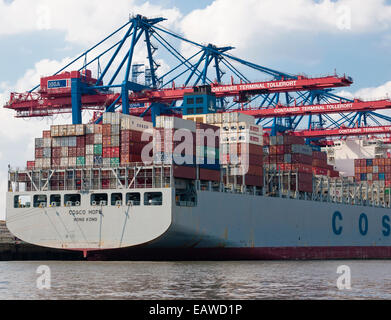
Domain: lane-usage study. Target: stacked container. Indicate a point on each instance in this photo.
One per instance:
(67, 146)
(373, 170)
(174, 142)
(320, 166)
(208, 152)
(133, 131)
(241, 150)
(290, 154)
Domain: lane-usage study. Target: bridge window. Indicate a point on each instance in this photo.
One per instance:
(190, 111)
(116, 199)
(40, 200)
(199, 100)
(55, 200)
(199, 111)
(153, 199)
(133, 199)
(190, 100)
(22, 202)
(99, 199)
(72, 200)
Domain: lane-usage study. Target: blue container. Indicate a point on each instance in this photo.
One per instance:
(363, 177)
(369, 162)
(382, 176)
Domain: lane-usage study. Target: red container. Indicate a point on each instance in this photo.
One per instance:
(320, 155)
(289, 140)
(106, 140)
(320, 171)
(46, 134)
(38, 153)
(209, 175)
(72, 152)
(56, 162)
(30, 165)
(106, 130)
(130, 158)
(333, 174)
(89, 139)
(81, 141)
(114, 152)
(243, 148)
(56, 152)
(184, 172)
(266, 139)
(81, 152)
(302, 168)
(106, 152)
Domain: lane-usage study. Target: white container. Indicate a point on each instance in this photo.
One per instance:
(72, 142)
(46, 163)
(106, 162)
(369, 176)
(56, 142)
(129, 122)
(80, 130)
(218, 117)
(47, 142)
(98, 138)
(115, 141)
(62, 130)
(89, 149)
(64, 162)
(253, 128)
(71, 130)
(175, 123)
(245, 137)
(54, 131)
(90, 129)
(64, 152)
(72, 161)
(89, 160)
(38, 163)
(115, 129)
(210, 119)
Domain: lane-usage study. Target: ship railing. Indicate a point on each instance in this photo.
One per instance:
(86, 179)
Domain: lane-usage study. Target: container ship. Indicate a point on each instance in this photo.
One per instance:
(118, 190)
(200, 180)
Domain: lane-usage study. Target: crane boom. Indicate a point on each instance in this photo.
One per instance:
(343, 132)
(357, 106)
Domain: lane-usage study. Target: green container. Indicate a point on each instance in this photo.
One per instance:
(98, 149)
(80, 161)
(387, 191)
(114, 162)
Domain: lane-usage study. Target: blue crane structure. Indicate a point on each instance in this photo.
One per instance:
(116, 84)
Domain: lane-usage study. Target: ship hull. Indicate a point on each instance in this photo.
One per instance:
(222, 226)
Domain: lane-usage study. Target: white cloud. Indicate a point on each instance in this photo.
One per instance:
(84, 21)
(278, 27)
(373, 93)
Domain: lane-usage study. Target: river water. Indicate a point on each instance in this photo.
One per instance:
(254, 280)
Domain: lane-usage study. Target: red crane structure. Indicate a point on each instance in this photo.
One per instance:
(303, 105)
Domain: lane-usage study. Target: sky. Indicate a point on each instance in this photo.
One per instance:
(295, 36)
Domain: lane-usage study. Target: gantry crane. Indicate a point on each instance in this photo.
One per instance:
(297, 103)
